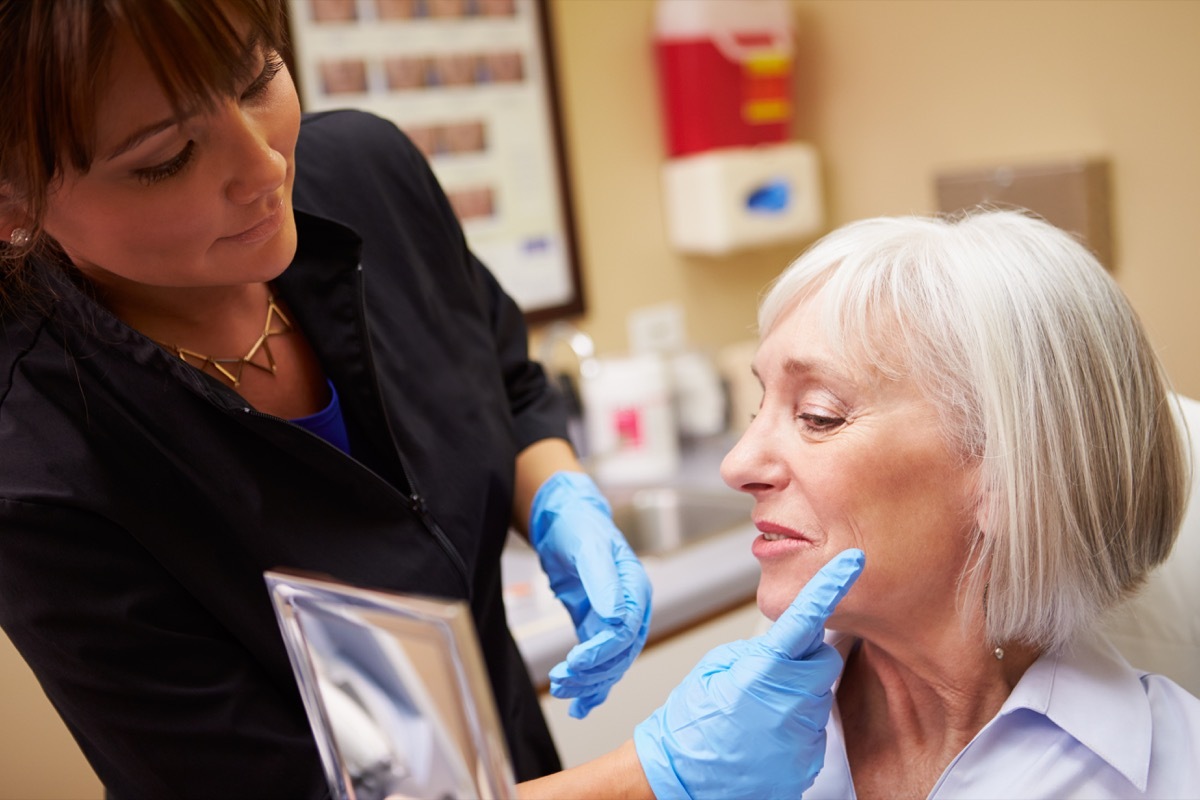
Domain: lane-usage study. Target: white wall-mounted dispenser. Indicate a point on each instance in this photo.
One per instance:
(731, 199)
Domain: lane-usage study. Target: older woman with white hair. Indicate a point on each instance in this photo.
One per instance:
(973, 403)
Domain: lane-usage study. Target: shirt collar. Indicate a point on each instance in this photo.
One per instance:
(1088, 690)
(1091, 692)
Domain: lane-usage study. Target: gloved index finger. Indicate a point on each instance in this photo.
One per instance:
(799, 630)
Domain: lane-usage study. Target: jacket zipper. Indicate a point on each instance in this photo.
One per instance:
(415, 499)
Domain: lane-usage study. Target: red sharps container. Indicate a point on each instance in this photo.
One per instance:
(725, 73)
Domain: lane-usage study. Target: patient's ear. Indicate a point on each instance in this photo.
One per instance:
(982, 515)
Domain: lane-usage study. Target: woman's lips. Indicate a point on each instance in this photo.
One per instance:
(777, 540)
(261, 230)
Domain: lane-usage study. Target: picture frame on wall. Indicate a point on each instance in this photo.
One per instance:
(472, 83)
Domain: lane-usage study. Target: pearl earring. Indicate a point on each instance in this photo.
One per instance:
(999, 651)
(19, 237)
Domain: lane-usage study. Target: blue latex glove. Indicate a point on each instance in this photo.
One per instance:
(595, 574)
(749, 720)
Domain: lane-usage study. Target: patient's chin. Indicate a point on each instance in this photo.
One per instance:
(770, 603)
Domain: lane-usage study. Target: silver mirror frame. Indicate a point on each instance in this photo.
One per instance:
(395, 691)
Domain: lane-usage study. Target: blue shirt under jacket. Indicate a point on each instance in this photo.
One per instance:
(328, 423)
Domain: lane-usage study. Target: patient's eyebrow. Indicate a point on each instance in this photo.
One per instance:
(802, 366)
(798, 367)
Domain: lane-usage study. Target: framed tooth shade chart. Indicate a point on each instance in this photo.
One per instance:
(472, 83)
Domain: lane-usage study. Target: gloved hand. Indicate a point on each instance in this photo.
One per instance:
(749, 719)
(598, 578)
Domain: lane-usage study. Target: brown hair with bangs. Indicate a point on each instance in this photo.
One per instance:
(53, 58)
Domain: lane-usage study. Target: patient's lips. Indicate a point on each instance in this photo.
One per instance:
(777, 540)
(776, 531)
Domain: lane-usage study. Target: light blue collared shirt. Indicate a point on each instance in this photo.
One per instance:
(1082, 723)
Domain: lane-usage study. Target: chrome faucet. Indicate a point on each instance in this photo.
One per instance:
(586, 366)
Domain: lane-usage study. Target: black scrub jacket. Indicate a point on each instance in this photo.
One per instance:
(141, 500)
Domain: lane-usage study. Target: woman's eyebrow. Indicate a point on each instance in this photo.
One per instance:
(140, 135)
(145, 132)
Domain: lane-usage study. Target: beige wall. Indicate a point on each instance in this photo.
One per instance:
(890, 93)
(38, 758)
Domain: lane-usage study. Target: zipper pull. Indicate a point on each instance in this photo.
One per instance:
(418, 504)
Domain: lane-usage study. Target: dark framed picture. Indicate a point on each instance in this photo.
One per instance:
(472, 84)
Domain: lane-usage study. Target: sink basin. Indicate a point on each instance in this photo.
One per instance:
(660, 519)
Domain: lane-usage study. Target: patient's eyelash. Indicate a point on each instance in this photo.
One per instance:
(819, 423)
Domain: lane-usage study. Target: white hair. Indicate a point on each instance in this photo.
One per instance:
(1048, 385)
